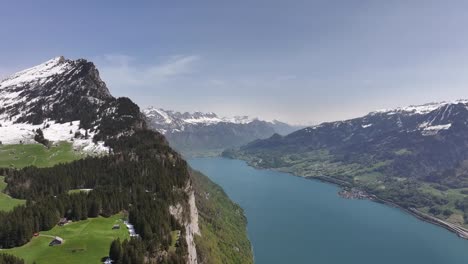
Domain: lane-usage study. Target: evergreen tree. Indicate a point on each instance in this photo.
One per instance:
(115, 252)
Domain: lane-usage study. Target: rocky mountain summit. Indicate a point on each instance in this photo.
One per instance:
(67, 100)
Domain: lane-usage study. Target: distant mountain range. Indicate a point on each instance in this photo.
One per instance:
(415, 156)
(201, 133)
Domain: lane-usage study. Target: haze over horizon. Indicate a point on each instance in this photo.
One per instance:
(302, 62)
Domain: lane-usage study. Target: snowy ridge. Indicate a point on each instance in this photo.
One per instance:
(44, 89)
(427, 119)
(30, 79)
(169, 117)
(172, 121)
(39, 73)
(419, 109)
(11, 133)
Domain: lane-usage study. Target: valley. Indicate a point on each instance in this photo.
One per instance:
(206, 134)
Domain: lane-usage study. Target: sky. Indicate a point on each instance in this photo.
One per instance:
(303, 62)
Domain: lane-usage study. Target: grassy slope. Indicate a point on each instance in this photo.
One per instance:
(20, 156)
(85, 242)
(222, 223)
(6, 202)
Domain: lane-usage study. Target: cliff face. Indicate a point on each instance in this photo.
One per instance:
(192, 229)
(187, 216)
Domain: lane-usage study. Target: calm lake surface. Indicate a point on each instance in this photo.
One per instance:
(294, 220)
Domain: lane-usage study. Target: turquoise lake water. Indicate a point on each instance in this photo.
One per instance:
(294, 220)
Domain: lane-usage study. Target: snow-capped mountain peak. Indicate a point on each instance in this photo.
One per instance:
(64, 98)
(46, 91)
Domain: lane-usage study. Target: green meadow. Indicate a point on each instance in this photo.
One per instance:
(23, 155)
(85, 241)
(6, 202)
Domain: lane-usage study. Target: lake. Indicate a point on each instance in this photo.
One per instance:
(295, 220)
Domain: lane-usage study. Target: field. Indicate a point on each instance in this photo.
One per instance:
(6, 202)
(20, 156)
(85, 242)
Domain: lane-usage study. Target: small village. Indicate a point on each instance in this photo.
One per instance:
(353, 193)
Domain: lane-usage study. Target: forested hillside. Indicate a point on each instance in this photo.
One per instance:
(222, 224)
(143, 176)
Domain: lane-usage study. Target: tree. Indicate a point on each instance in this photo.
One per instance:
(39, 137)
(115, 251)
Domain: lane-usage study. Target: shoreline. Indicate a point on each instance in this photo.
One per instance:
(460, 231)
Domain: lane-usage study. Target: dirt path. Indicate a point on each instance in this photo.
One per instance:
(41, 235)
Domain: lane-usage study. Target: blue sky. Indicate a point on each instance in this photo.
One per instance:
(297, 61)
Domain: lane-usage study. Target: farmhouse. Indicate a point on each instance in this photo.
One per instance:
(116, 227)
(56, 241)
(63, 221)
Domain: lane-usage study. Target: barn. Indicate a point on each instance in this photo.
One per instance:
(56, 241)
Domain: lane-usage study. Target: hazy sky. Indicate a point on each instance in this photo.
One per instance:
(297, 61)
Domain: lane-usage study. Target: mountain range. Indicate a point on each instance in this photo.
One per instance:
(198, 133)
(415, 156)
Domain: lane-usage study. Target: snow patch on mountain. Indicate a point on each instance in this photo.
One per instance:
(21, 133)
(433, 130)
(203, 120)
(438, 127)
